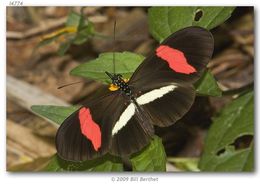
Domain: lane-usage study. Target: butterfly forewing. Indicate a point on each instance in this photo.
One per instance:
(86, 134)
(183, 56)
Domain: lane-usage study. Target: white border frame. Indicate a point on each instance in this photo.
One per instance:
(45, 179)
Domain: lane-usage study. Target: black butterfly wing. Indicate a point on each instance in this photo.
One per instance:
(162, 84)
(86, 134)
(183, 56)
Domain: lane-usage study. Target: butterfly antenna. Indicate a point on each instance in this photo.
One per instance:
(70, 84)
(114, 43)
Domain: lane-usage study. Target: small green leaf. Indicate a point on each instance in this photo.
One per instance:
(55, 113)
(81, 37)
(163, 21)
(106, 163)
(151, 158)
(64, 47)
(84, 34)
(73, 19)
(85, 31)
(45, 42)
(125, 63)
(207, 85)
(85, 28)
(234, 121)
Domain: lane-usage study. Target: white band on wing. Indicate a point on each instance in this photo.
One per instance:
(141, 100)
(124, 118)
(154, 94)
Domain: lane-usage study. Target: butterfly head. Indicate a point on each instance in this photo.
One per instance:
(116, 78)
(118, 83)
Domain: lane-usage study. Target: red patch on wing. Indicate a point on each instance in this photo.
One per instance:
(89, 128)
(175, 59)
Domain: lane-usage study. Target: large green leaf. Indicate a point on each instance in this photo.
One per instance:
(105, 163)
(55, 113)
(185, 164)
(234, 121)
(207, 85)
(125, 63)
(163, 21)
(212, 16)
(151, 158)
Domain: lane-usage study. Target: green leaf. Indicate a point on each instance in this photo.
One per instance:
(213, 16)
(207, 85)
(45, 42)
(185, 164)
(151, 158)
(73, 19)
(249, 164)
(64, 47)
(55, 113)
(84, 34)
(234, 121)
(85, 28)
(163, 21)
(125, 63)
(106, 163)
(85, 31)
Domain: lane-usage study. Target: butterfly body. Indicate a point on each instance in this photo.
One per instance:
(120, 84)
(121, 120)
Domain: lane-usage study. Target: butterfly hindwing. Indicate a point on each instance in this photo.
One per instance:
(166, 102)
(131, 138)
(132, 130)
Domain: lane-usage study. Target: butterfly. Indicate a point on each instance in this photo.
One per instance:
(160, 91)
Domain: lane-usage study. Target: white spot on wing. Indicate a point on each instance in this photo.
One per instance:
(124, 118)
(154, 94)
